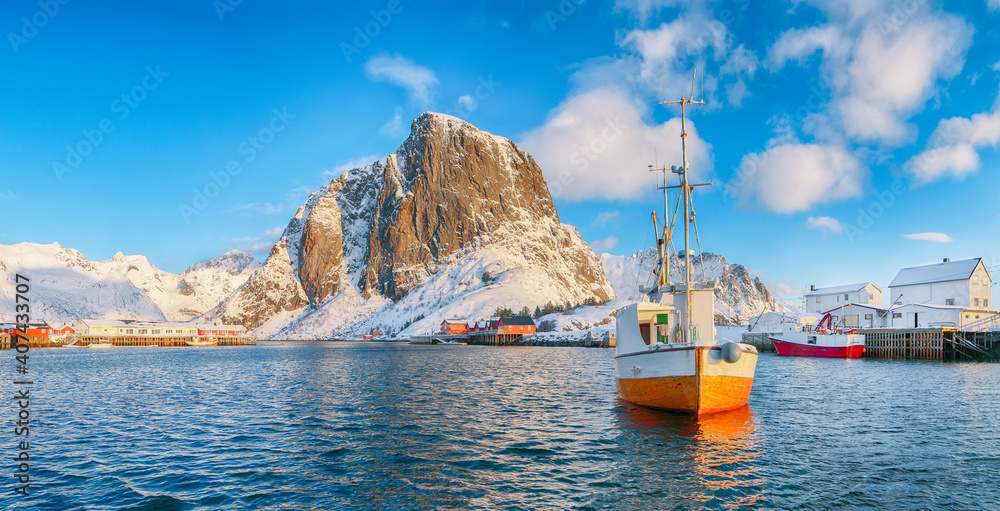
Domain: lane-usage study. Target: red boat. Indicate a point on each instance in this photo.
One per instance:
(821, 341)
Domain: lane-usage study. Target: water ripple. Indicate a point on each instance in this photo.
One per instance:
(374, 426)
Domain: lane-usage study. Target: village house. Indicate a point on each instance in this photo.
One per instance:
(136, 328)
(965, 283)
(949, 294)
(820, 300)
(455, 327)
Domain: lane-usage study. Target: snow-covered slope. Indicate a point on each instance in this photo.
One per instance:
(738, 295)
(456, 223)
(66, 287)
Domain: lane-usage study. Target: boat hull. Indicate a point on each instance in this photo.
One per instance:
(690, 380)
(201, 343)
(794, 349)
(687, 394)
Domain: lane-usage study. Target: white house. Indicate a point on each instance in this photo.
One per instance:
(818, 301)
(114, 327)
(966, 284)
(911, 315)
(857, 315)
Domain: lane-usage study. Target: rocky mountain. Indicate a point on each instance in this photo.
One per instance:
(739, 296)
(66, 287)
(455, 223)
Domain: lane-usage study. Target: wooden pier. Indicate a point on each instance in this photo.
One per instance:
(761, 341)
(495, 339)
(931, 344)
(905, 344)
(140, 341)
(126, 341)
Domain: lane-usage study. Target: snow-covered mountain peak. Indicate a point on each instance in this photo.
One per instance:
(452, 198)
(234, 262)
(67, 287)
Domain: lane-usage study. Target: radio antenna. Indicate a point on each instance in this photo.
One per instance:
(664, 80)
(693, 77)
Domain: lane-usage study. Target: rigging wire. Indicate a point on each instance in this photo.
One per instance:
(645, 243)
(701, 257)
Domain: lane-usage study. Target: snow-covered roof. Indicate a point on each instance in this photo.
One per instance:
(118, 323)
(848, 288)
(873, 306)
(517, 320)
(939, 272)
(932, 306)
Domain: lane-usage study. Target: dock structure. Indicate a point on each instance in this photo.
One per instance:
(140, 341)
(492, 338)
(931, 344)
(905, 344)
(83, 341)
(761, 341)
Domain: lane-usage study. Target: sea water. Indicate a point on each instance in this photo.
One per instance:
(325, 425)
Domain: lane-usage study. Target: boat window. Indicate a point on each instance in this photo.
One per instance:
(812, 339)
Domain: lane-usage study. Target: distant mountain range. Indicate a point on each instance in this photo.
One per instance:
(456, 223)
(738, 295)
(66, 287)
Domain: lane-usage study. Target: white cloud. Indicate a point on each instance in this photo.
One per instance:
(666, 55)
(349, 165)
(257, 245)
(951, 149)
(798, 43)
(394, 127)
(936, 237)
(993, 4)
(888, 79)
(257, 209)
(642, 9)
(825, 224)
(604, 245)
(467, 103)
(795, 176)
(780, 290)
(880, 65)
(418, 81)
(597, 145)
(7, 196)
(606, 217)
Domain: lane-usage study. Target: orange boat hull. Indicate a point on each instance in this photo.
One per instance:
(696, 395)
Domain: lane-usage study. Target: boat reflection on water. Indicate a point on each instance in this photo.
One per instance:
(709, 460)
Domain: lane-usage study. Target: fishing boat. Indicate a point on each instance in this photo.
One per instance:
(209, 341)
(823, 340)
(103, 343)
(666, 354)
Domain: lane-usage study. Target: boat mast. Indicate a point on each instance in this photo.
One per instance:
(663, 242)
(686, 189)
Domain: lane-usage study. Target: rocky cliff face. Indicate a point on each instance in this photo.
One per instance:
(451, 206)
(739, 296)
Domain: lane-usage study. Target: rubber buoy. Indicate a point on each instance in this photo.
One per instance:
(731, 352)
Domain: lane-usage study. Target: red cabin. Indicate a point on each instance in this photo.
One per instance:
(516, 325)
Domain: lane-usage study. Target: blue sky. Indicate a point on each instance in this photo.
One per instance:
(845, 139)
